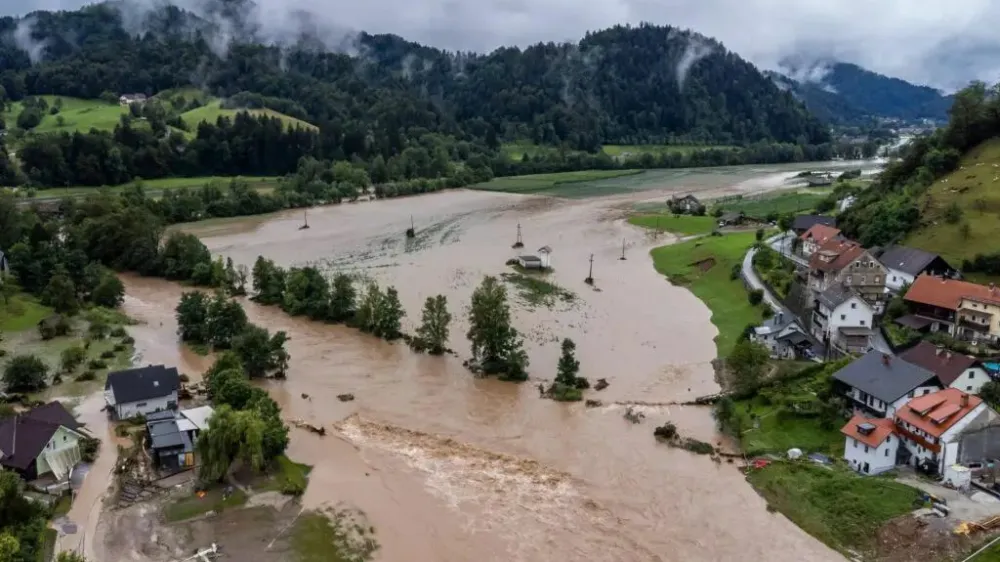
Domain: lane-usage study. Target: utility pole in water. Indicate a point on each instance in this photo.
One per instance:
(623, 252)
(590, 276)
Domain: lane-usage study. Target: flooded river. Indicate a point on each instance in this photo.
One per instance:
(453, 468)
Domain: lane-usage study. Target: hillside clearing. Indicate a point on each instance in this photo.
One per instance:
(211, 112)
(77, 114)
(975, 189)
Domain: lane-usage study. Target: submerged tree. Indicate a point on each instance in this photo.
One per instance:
(567, 384)
(342, 298)
(268, 282)
(496, 345)
(232, 435)
(380, 312)
(433, 331)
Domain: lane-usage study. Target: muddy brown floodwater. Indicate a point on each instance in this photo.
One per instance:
(449, 467)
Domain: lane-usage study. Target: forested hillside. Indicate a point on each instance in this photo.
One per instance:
(844, 93)
(394, 105)
(931, 188)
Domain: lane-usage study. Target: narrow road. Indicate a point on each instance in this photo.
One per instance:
(782, 243)
(755, 282)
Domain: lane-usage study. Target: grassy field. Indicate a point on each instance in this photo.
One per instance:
(193, 506)
(157, 186)
(78, 115)
(551, 184)
(837, 506)
(677, 224)
(318, 537)
(533, 289)
(761, 206)
(517, 150)
(768, 422)
(211, 111)
(975, 189)
(724, 296)
(287, 477)
(22, 312)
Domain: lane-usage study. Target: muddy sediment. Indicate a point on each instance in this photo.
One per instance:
(451, 467)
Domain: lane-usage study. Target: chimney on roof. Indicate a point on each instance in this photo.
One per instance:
(965, 400)
(886, 359)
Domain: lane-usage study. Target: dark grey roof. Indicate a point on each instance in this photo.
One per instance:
(834, 296)
(805, 222)
(143, 383)
(161, 416)
(795, 338)
(530, 258)
(731, 216)
(907, 260)
(165, 435)
(915, 322)
(886, 379)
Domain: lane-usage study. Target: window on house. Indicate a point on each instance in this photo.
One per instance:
(855, 443)
(876, 279)
(926, 391)
(843, 317)
(862, 279)
(968, 389)
(893, 277)
(64, 438)
(854, 305)
(888, 439)
(909, 394)
(848, 279)
(887, 452)
(862, 322)
(972, 374)
(140, 404)
(866, 448)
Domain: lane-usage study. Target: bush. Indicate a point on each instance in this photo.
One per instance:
(97, 364)
(953, 214)
(128, 340)
(118, 348)
(54, 327)
(88, 448)
(734, 273)
(25, 373)
(107, 354)
(118, 332)
(121, 430)
(72, 357)
(98, 329)
(87, 375)
(755, 296)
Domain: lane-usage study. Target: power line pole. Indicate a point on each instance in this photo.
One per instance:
(623, 251)
(590, 276)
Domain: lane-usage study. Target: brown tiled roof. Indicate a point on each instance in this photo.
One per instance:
(946, 364)
(936, 412)
(948, 293)
(883, 428)
(24, 436)
(846, 250)
(821, 233)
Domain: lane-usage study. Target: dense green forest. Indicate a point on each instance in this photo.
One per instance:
(396, 109)
(849, 94)
(889, 210)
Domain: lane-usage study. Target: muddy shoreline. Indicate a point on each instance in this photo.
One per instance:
(451, 467)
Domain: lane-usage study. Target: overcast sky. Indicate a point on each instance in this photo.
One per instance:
(944, 43)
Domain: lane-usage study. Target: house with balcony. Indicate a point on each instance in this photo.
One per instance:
(904, 265)
(841, 318)
(845, 262)
(965, 310)
(42, 443)
(878, 384)
(953, 370)
(930, 427)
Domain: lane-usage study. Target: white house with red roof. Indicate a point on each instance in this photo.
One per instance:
(930, 427)
(871, 445)
(816, 236)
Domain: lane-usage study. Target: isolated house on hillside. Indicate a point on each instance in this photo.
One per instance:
(878, 384)
(953, 370)
(870, 446)
(803, 223)
(816, 237)
(129, 99)
(965, 310)
(41, 442)
(905, 264)
(142, 391)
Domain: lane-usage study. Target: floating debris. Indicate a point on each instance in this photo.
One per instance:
(345, 397)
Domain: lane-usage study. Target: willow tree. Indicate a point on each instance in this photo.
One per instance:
(231, 436)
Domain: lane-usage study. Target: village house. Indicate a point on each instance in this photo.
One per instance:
(142, 391)
(783, 337)
(129, 99)
(686, 205)
(878, 384)
(42, 442)
(967, 311)
(930, 427)
(846, 263)
(870, 445)
(172, 436)
(953, 370)
(802, 223)
(817, 236)
(905, 264)
(732, 218)
(841, 318)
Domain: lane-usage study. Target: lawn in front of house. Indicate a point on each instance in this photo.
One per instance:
(678, 224)
(836, 505)
(332, 537)
(22, 312)
(193, 506)
(705, 267)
